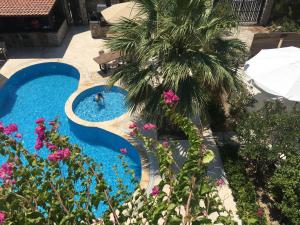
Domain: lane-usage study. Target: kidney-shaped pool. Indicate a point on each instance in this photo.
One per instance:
(41, 90)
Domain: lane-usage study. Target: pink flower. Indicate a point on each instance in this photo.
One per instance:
(1, 127)
(18, 135)
(123, 150)
(260, 212)
(40, 131)
(6, 171)
(67, 153)
(165, 143)
(51, 146)
(2, 217)
(39, 144)
(133, 133)
(11, 128)
(220, 182)
(52, 123)
(149, 126)
(170, 97)
(52, 157)
(59, 155)
(155, 191)
(2, 174)
(133, 126)
(40, 120)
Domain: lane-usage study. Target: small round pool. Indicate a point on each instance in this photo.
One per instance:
(112, 106)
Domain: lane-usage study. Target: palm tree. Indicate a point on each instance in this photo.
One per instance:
(178, 45)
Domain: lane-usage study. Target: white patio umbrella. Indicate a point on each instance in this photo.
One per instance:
(276, 71)
(115, 13)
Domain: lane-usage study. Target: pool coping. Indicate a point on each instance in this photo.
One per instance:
(85, 82)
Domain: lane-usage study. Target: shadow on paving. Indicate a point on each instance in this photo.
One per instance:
(46, 52)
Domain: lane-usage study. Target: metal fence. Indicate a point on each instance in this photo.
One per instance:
(247, 11)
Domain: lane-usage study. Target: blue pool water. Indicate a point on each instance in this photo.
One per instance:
(112, 106)
(41, 91)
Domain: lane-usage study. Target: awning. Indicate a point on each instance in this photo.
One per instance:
(115, 13)
(276, 71)
(13, 8)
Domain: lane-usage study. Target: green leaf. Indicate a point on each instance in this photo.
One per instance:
(208, 156)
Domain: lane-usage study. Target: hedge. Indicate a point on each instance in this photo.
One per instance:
(242, 188)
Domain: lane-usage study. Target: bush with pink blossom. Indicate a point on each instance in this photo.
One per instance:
(34, 191)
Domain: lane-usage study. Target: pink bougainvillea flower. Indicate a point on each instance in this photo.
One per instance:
(52, 123)
(2, 174)
(13, 182)
(67, 153)
(165, 143)
(133, 126)
(170, 97)
(220, 182)
(11, 128)
(39, 144)
(155, 191)
(123, 150)
(132, 134)
(6, 172)
(59, 155)
(40, 120)
(52, 157)
(149, 126)
(260, 212)
(2, 217)
(18, 135)
(1, 127)
(204, 212)
(51, 146)
(40, 131)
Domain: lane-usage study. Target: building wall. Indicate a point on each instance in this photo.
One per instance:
(35, 39)
(266, 12)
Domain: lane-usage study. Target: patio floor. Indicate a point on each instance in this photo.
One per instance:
(77, 46)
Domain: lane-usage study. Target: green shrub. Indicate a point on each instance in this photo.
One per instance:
(265, 135)
(285, 16)
(285, 188)
(242, 188)
(239, 102)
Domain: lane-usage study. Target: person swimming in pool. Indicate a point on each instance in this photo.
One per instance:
(99, 97)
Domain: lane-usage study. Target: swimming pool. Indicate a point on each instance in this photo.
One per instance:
(112, 106)
(41, 90)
